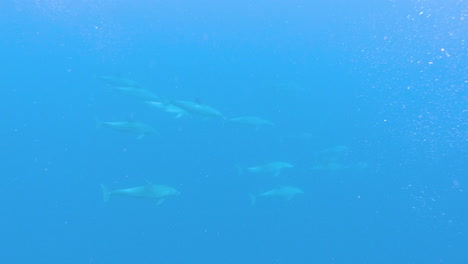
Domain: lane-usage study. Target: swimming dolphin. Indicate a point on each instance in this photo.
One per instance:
(129, 127)
(159, 193)
(197, 108)
(115, 80)
(254, 121)
(138, 93)
(273, 168)
(283, 192)
(168, 107)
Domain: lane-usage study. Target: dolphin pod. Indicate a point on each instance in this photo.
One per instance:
(331, 159)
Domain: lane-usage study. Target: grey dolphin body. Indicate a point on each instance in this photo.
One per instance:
(254, 121)
(196, 108)
(273, 168)
(115, 80)
(168, 107)
(129, 127)
(156, 192)
(283, 192)
(136, 92)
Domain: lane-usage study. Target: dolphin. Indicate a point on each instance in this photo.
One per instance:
(168, 107)
(283, 192)
(128, 126)
(156, 192)
(197, 108)
(273, 168)
(254, 121)
(136, 92)
(116, 80)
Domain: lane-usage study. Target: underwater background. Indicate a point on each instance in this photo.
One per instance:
(366, 101)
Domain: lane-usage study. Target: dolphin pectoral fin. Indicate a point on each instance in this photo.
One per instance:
(160, 201)
(105, 192)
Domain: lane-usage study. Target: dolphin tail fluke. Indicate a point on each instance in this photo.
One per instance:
(105, 193)
(253, 199)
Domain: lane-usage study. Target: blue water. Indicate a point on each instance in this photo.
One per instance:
(367, 99)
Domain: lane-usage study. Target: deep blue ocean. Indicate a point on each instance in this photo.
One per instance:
(290, 132)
